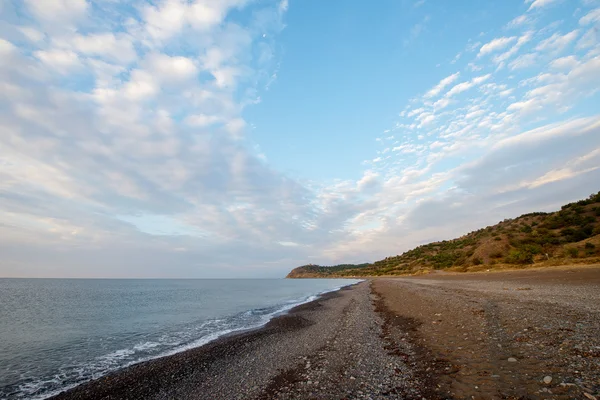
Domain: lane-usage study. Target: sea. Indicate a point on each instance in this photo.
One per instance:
(56, 334)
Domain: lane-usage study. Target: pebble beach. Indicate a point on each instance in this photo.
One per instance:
(508, 335)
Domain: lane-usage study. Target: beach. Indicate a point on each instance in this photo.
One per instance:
(531, 334)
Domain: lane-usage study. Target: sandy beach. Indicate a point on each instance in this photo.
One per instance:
(531, 334)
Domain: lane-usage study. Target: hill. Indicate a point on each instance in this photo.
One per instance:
(570, 235)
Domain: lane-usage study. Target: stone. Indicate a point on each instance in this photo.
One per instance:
(512, 359)
(548, 380)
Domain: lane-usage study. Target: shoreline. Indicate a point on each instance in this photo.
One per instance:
(521, 334)
(281, 321)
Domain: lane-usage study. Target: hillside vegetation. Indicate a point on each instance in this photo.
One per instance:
(571, 235)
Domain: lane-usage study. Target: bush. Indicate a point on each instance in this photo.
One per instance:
(597, 211)
(573, 252)
(532, 248)
(497, 238)
(567, 232)
(526, 229)
(519, 257)
(444, 260)
(594, 198)
(477, 261)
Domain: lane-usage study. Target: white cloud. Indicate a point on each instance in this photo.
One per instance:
(565, 63)
(459, 88)
(171, 16)
(106, 45)
(202, 120)
(369, 181)
(464, 86)
(441, 103)
(557, 42)
(63, 61)
(283, 6)
(591, 17)
(474, 67)
(141, 86)
(524, 61)
(414, 112)
(503, 57)
(32, 34)
(437, 89)
(236, 127)
(539, 3)
(171, 69)
(58, 11)
(165, 20)
(495, 45)
(518, 21)
(6, 47)
(589, 39)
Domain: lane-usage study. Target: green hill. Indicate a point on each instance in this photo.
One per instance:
(570, 235)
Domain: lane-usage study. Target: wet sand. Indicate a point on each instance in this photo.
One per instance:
(441, 336)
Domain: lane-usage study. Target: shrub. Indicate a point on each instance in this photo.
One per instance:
(567, 232)
(496, 254)
(497, 238)
(532, 248)
(594, 198)
(573, 252)
(597, 211)
(519, 257)
(526, 229)
(589, 245)
(444, 259)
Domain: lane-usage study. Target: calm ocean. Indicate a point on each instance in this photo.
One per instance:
(58, 333)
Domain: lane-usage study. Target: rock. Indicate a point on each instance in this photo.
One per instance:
(548, 380)
(589, 396)
(512, 359)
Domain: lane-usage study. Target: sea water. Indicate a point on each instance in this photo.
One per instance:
(58, 333)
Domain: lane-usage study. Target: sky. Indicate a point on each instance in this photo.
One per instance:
(243, 138)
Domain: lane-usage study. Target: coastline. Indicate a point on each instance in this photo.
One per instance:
(520, 334)
(148, 378)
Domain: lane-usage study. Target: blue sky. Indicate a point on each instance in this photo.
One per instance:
(238, 138)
